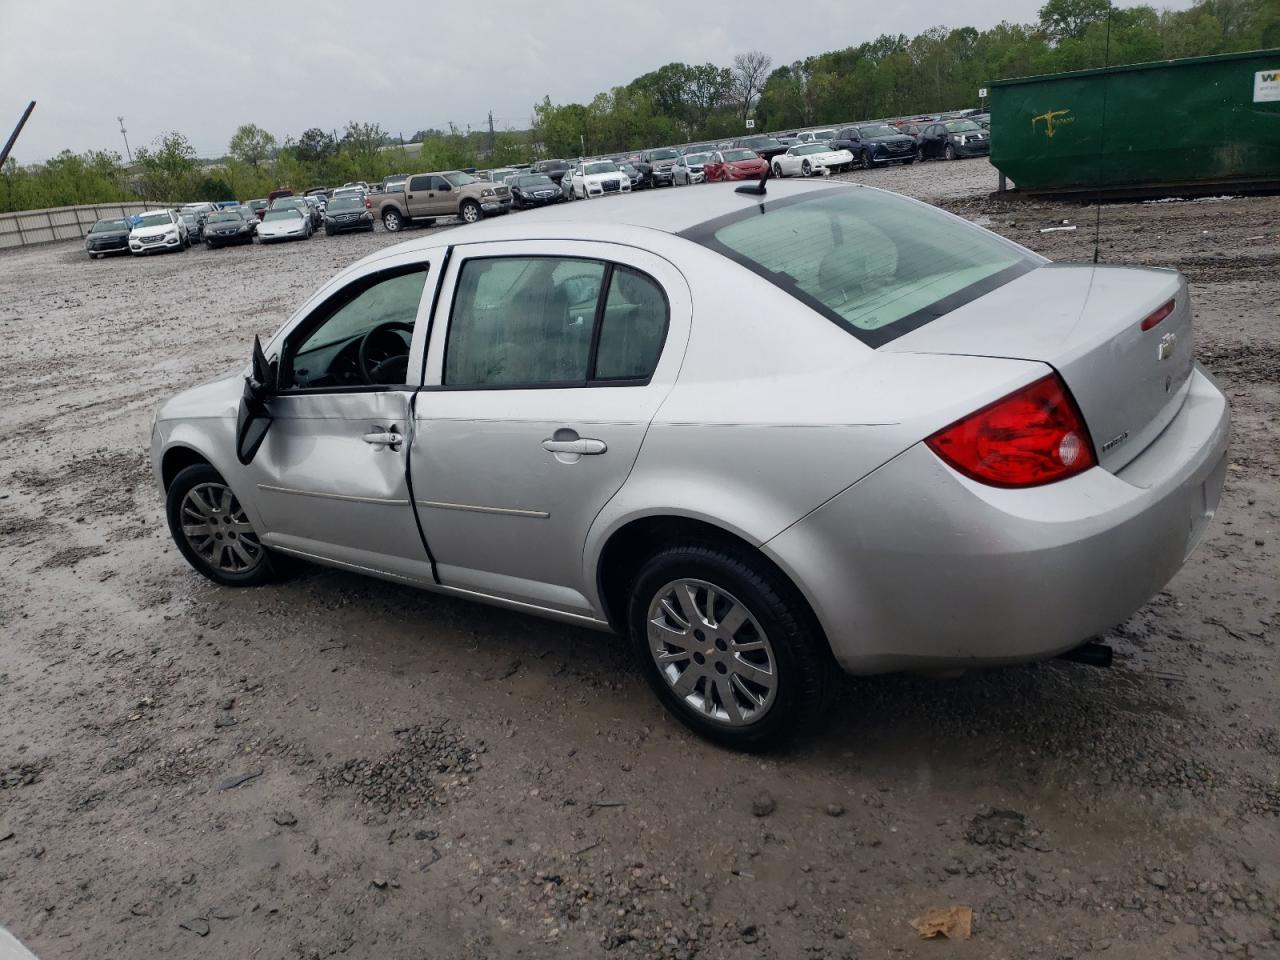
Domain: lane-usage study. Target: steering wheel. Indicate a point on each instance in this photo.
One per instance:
(384, 356)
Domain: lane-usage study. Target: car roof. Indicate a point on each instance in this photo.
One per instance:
(667, 211)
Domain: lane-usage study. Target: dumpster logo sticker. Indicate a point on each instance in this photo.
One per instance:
(1266, 86)
(1052, 119)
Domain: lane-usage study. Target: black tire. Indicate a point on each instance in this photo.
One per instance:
(805, 668)
(949, 152)
(329, 231)
(392, 221)
(470, 212)
(920, 154)
(909, 161)
(264, 570)
(806, 168)
(777, 171)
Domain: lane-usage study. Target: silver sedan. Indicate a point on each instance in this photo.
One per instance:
(760, 436)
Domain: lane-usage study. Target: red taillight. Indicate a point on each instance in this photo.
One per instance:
(1156, 317)
(368, 204)
(1033, 436)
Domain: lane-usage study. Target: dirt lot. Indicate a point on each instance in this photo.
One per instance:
(430, 778)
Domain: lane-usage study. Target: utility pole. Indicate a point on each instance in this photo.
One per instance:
(13, 137)
(491, 140)
(124, 133)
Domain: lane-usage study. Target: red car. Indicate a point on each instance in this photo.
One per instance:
(738, 163)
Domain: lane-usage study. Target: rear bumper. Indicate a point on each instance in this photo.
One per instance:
(916, 566)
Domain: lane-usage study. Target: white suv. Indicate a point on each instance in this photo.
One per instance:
(158, 230)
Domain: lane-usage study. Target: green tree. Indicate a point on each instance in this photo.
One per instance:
(252, 145)
(169, 168)
(1069, 19)
(316, 146)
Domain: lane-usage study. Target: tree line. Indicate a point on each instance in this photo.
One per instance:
(939, 69)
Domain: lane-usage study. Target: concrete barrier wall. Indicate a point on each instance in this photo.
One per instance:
(59, 223)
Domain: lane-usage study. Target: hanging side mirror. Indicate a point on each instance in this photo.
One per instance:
(253, 418)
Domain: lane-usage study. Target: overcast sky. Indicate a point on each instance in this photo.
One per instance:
(286, 65)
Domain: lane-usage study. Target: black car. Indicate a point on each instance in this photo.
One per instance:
(534, 190)
(555, 169)
(766, 148)
(953, 139)
(195, 225)
(233, 225)
(636, 177)
(107, 236)
(876, 143)
(347, 213)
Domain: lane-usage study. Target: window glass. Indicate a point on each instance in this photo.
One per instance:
(522, 320)
(877, 264)
(420, 183)
(632, 328)
(329, 354)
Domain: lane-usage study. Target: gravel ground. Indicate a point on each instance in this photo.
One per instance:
(341, 766)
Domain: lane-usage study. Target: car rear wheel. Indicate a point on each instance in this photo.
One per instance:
(392, 221)
(728, 645)
(777, 170)
(212, 531)
(470, 211)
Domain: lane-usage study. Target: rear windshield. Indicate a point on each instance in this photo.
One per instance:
(876, 264)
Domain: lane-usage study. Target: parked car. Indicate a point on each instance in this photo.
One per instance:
(236, 225)
(500, 175)
(109, 235)
(298, 203)
(807, 159)
(690, 169)
(982, 119)
(345, 214)
(534, 190)
(697, 148)
(656, 166)
(157, 231)
(199, 209)
(633, 174)
(195, 226)
(284, 223)
(259, 207)
(592, 408)
(953, 140)
(875, 144)
(766, 148)
(322, 192)
(450, 193)
(566, 181)
(555, 169)
(276, 194)
(599, 178)
(317, 206)
(816, 136)
(735, 163)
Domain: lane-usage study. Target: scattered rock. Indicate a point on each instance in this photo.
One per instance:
(763, 804)
(239, 779)
(197, 925)
(835, 810)
(1158, 879)
(284, 818)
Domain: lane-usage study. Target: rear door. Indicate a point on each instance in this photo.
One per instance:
(548, 360)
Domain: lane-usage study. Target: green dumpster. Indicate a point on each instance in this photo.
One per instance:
(1202, 123)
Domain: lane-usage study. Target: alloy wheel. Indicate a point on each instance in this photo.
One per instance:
(217, 529)
(712, 652)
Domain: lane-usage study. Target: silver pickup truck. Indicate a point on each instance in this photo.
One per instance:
(449, 193)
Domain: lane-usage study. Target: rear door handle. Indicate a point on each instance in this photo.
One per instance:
(585, 446)
(391, 438)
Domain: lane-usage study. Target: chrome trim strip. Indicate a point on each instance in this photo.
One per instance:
(333, 496)
(586, 621)
(347, 565)
(473, 508)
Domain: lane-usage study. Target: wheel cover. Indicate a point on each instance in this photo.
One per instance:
(470, 213)
(712, 652)
(216, 528)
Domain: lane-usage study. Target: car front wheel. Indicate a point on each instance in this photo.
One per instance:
(212, 531)
(728, 645)
(949, 152)
(470, 212)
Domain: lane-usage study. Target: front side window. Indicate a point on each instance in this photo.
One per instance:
(358, 337)
(877, 265)
(531, 321)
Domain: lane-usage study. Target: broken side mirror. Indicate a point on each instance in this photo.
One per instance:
(254, 419)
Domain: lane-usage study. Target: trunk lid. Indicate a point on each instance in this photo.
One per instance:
(1085, 322)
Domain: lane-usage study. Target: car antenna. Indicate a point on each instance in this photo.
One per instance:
(756, 189)
(1102, 142)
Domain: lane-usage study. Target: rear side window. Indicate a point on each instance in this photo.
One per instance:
(552, 321)
(420, 183)
(877, 265)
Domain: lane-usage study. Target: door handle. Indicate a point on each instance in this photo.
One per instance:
(391, 438)
(585, 446)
